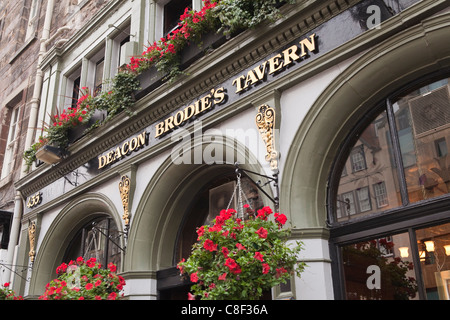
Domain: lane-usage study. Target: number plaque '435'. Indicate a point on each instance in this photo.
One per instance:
(34, 200)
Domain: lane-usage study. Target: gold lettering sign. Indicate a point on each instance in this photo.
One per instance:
(125, 149)
(275, 63)
(215, 97)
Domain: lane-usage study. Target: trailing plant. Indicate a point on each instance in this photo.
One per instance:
(236, 15)
(30, 155)
(240, 259)
(120, 97)
(84, 280)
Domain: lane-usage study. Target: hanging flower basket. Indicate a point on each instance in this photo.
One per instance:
(84, 280)
(240, 259)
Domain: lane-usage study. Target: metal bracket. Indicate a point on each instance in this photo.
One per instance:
(259, 185)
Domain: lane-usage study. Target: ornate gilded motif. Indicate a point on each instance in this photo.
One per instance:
(124, 188)
(265, 122)
(32, 239)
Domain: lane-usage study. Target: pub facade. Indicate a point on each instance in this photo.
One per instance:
(337, 114)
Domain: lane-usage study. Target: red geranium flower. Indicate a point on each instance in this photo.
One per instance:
(209, 245)
(262, 232)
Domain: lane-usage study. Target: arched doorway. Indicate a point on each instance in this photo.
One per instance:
(214, 196)
(64, 231)
(175, 202)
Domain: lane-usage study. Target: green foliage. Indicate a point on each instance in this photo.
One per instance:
(30, 155)
(237, 259)
(120, 97)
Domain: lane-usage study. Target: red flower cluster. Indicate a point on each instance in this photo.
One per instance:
(8, 294)
(171, 44)
(74, 115)
(80, 280)
(232, 256)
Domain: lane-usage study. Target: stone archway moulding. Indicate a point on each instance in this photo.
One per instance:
(69, 220)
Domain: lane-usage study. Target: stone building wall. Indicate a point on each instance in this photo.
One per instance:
(20, 44)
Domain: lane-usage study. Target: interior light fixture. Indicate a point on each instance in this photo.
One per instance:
(429, 245)
(447, 249)
(404, 252)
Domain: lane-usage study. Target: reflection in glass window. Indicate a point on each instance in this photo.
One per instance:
(380, 194)
(421, 119)
(358, 159)
(364, 199)
(379, 172)
(172, 12)
(380, 269)
(422, 140)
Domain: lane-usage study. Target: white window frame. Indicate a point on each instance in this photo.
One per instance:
(159, 26)
(32, 19)
(9, 159)
(381, 198)
(363, 196)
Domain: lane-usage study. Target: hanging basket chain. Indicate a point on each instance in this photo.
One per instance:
(241, 195)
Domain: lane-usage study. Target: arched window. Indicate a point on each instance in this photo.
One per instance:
(389, 199)
(98, 239)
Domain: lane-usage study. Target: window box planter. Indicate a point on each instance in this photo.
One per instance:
(149, 80)
(78, 132)
(49, 154)
(194, 51)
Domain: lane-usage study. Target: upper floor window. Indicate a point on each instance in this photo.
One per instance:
(32, 19)
(172, 11)
(98, 75)
(72, 89)
(11, 141)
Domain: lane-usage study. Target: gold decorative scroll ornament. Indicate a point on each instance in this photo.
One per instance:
(265, 122)
(124, 188)
(32, 239)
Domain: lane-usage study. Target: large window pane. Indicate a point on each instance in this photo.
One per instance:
(369, 179)
(434, 252)
(423, 123)
(380, 269)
